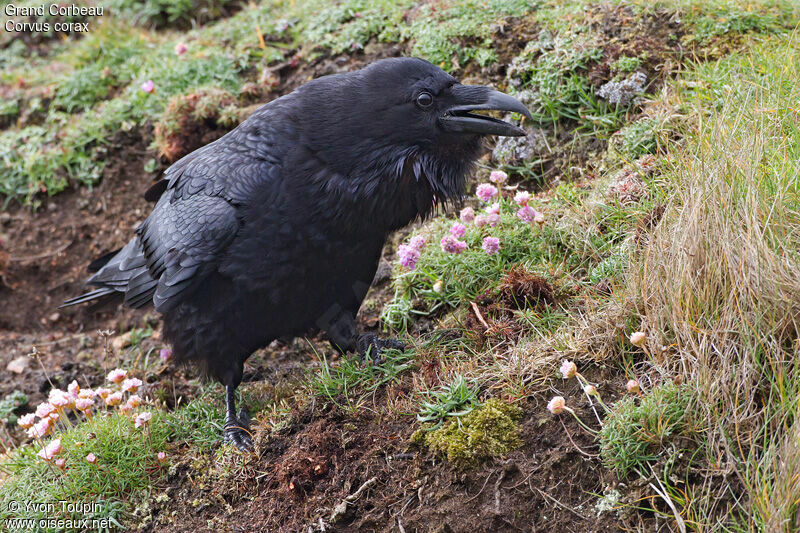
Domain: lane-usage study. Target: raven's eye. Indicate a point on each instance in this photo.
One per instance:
(424, 99)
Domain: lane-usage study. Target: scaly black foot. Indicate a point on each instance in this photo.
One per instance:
(237, 428)
(371, 346)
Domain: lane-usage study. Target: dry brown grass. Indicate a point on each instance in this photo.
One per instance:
(719, 280)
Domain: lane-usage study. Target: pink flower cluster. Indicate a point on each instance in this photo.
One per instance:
(409, 253)
(454, 241)
(486, 192)
(82, 401)
(452, 245)
(491, 245)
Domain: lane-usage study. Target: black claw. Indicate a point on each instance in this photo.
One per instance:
(371, 346)
(237, 432)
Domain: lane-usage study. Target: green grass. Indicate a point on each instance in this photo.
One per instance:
(454, 399)
(349, 383)
(125, 470)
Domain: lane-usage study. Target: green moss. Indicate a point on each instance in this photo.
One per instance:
(489, 431)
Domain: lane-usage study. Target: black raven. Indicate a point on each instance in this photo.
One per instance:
(277, 227)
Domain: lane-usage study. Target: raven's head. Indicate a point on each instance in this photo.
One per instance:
(406, 125)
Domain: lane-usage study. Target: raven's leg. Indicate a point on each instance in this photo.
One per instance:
(237, 428)
(344, 337)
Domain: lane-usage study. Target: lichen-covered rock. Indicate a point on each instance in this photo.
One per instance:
(623, 92)
(489, 431)
(514, 151)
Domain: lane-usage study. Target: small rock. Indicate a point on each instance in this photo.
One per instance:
(18, 365)
(122, 341)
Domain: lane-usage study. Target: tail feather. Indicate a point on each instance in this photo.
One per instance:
(101, 261)
(119, 274)
(88, 297)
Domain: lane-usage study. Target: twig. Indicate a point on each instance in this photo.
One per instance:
(572, 441)
(480, 491)
(497, 491)
(341, 508)
(25, 258)
(570, 509)
(479, 315)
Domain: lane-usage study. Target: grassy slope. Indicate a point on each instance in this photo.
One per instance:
(713, 285)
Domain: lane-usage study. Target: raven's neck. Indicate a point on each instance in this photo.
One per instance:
(391, 188)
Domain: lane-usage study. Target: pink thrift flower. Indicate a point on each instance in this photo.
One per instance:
(638, 338)
(44, 409)
(125, 408)
(149, 86)
(493, 209)
(494, 219)
(117, 375)
(408, 256)
(52, 449)
(91, 458)
(59, 399)
(486, 192)
(103, 392)
(557, 405)
(539, 218)
(40, 428)
(491, 245)
(82, 404)
(418, 242)
(131, 384)
(53, 416)
(458, 230)
(134, 401)
(166, 354)
(526, 213)
(590, 390)
(633, 386)
(522, 198)
(451, 245)
(61, 463)
(481, 220)
(142, 419)
(87, 394)
(114, 399)
(162, 457)
(26, 421)
(568, 369)
(467, 215)
(180, 49)
(498, 176)
(74, 389)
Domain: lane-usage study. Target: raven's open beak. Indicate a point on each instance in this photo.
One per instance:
(458, 119)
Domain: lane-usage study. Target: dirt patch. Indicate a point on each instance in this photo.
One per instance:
(50, 248)
(653, 38)
(301, 475)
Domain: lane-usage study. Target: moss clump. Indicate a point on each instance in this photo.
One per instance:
(488, 431)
